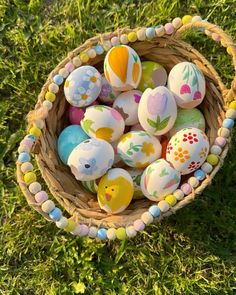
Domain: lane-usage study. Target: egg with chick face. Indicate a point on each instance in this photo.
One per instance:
(115, 191)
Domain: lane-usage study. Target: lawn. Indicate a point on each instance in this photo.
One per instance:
(193, 252)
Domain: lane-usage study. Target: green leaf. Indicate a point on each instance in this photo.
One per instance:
(129, 152)
(163, 123)
(150, 169)
(151, 123)
(99, 107)
(135, 57)
(194, 81)
(163, 172)
(87, 125)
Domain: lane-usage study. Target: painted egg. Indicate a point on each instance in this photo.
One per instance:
(188, 85)
(157, 110)
(115, 191)
(136, 127)
(122, 68)
(187, 150)
(103, 122)
(107, 94)
(83, 86)
(127, 105)
(68, 139)
(153, 75)
(159, 179)
(138, 149)
(77, 114)
(136, 176)
(188, 118)
(117, 158)
(91, 185)
(91, 159)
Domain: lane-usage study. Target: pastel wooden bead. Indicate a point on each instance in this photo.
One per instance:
(216, 37)
(199, 174)
(58, 79)
(35, 131)
(48, 206)
(132, 36)
(124, 39)
(196, 18)
(111, 233)
(35, 187)
(160, 30)
(207, 168)
(26, 167)
(154, 210)
(216, 150)
(121, 233)
(29, 177)
(164, 206)
(232, 105)
(84, 57)
(24, 157)
(220, 141)
(39, 123)
(179, 194)
(150, 33)
(177, 22)
(229, 50)
(47, 104)
(70, 67)
(147, 217)
(228, 123)
(77, 61)
(30, 137)
(186, 19)
(41, 197)
(223, 43)
(186, 188)
(224, 132)
(212, 159)
(230, 113)
(208, 33)
(76, 231)
(99, 49)
(55, 214)
(115, 41)
(50, 96)
(91, 53)
(130, 231)
(93, 232)
(141, 34)
(84, 230)
(62, 222)
(64, 73)
(27, 142)
(107, 45)
(169, 28)
(102, 234)
(193, 181)
(23, 148)
(139, 225)
(70, 225)
(53, 87)
(171, 200)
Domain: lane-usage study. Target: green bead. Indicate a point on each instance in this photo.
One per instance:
(212, 159)
(121, 233)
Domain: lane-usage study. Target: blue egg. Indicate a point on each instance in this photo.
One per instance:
(69, 138)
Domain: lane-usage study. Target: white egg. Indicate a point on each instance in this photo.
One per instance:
(107, 94)
(136, 176)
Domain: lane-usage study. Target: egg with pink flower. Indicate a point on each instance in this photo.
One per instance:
(157, 110)
(103, 122)
(188, 84)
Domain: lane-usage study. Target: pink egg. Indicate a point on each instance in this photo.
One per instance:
(77, 114)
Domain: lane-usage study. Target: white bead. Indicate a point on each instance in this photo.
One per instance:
(224, 132)
(196, 18)
(107, 45)
(147, 217)
(177, 22)
(53, 87)
(208, 33)
(130, 231)
(26, 167)
(23, 148)
(62, 223)
(206, 167)
(35, 187)
(39, 123)
(141, 34)
(193, 181)
(163, 206)
(64, 72)
(91, 53)
(216, 150)
(47, 104)
(76, 230)
(179, 194)
(77, 61)
(124, 39)
(48, 206)
(231, 113)
(160, 31)
(92, 232)
(111, 234)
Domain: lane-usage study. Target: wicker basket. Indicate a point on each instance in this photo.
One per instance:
(86, 216)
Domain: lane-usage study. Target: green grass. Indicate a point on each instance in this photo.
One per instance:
(193, 252)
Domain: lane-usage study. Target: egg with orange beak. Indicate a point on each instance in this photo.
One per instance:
(115, 191)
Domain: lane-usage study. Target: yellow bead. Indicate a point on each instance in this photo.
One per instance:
(229, 50)
(50, 96)
(84, 57)
(70, 225)
(232, 105)
(212, 159)
(171, 200)
(186, 19)
(35, 131)
(132, 37)
(121, 233)
(29, 178)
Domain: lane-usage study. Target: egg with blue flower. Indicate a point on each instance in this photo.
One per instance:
(91, 159)
(82, 86)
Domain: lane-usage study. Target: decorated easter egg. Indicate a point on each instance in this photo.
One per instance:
(136, 127)
(153, 75)
(91, 185)
(127, 105)
(139, 149)
(76, 114)
(117, 158)
(122, 68)
(83, 86)
(188, 118)
(107, 94)
(68, 139)
(159, 179)
(115, 190)
(103, 122)
(187, 150)
(157, 110)
(91, 159)
(136, 176)
(188, 85)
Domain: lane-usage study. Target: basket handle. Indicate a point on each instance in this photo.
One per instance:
(226, 41)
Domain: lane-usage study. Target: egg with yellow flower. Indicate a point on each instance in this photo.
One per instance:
(82, 86)
(122, 68)
(138, 148)
(115, 191)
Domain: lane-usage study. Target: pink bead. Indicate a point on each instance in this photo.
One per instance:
(84, 230)
(216, 37)
(70, 67)
(27, 142)
(75, 114)
(220, 141)
(169, 28)
(186, 188)
(115, 41)
(41, 197)
(139, 225)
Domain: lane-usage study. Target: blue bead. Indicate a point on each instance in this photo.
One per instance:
(154, 210)
(99, 49)
(199, 174)
(228, 123)
(24, 157)
(58, 79)
(102, 233)
(31, 137)
(158, 26)
(55, 214)
(150, 33)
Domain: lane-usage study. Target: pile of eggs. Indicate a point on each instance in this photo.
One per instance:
(135, 130)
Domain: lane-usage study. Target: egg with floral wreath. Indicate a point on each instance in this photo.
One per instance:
(83, 86)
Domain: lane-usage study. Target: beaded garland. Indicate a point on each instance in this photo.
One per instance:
(155, 211)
